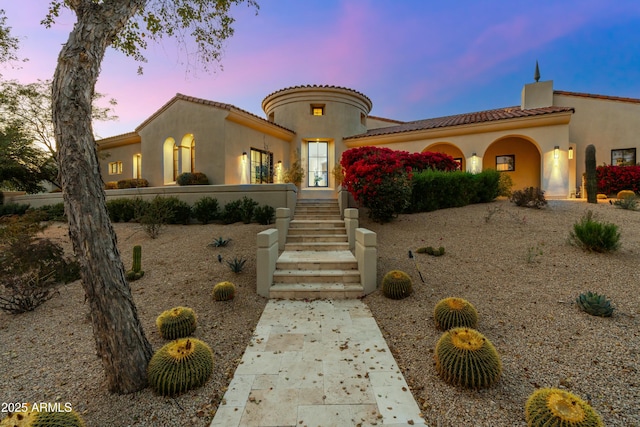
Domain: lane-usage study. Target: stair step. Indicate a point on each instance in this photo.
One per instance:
(316, 231)
(305, 238)
(316, 291)
(317, 246)
(306, 223)
(316, 276)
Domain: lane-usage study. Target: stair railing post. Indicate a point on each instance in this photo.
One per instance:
(351, 223)
(367, 257)
(283, 218)
(267, 242)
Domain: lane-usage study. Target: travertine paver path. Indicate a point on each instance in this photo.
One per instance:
(317, 363)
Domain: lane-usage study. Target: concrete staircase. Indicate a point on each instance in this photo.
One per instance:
(316, 262)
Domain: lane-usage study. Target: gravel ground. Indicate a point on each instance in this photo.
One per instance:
(513, 264)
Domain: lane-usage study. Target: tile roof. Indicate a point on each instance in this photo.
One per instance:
(202, 101)
(591, 95)
(464, 119)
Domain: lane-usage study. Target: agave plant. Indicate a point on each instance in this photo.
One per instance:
(595, 304)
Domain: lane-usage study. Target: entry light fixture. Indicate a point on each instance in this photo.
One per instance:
(556, 152)
(570, 153)
(244, 155)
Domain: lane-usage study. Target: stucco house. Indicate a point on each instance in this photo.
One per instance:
(539, 143)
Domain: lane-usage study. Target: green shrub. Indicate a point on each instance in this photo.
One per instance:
(179, 212)
(132, 183)
(206, 210)
(487, 186)
(13, 209)
(232, 212)
(532, 197)
(195, 178)
(153, 216)
(505, 184)
(264, 214)
(247, 208)
(595, 236)
(628, 203)
(121, 210)
(53, 212)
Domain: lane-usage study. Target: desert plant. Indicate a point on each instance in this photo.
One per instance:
(431, 251)
(13, 209)
(195, 178)
(338, 173)
(466, 358)
(595, 304)
(531, 197)
(179, 322)
(628, 202)
(553, 407)
(224, 291)
(590, 174)
(152, 216)
(52, 212)
(595, 236)
(625, 194)
(206, 209)
(232, 212)
(136, 271)
(179, 366)
(397, 284)
(237, 264)
(219, 242)
(132, 183)
(295, 174)
(505, 184)
(25, 292)
(264, 214)
(41, 417)
(247, 208)
(121, 209)
(455, 313)
(179, 212)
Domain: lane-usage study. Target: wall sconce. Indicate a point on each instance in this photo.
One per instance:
(570, 153)
(244, 156)
(556, 152)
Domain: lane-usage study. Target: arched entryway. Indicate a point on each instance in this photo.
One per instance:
(517, 156)
(450, 149)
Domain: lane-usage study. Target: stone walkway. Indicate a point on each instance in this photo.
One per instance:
(319, 363)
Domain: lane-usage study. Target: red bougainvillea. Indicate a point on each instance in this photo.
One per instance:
(379, 178)
(612, 179)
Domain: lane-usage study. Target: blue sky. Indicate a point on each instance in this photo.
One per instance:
(414, 59)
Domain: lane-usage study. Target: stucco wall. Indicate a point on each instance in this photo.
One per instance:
(122, 154)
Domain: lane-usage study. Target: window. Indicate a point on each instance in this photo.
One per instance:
(115, 168)
(261, 166)
(506, 163)
(317, 109)
(193, 156)
(137, 166)
(176, 165)
(623, 157)
(318, 164)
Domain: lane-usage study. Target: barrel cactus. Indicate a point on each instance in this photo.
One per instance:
(625, 194)
(224, 291)
(454, 313)
(466, 358)
(179, 322)
(179, 366)
(136, 270)
(397, 284)
(595, 304)
(553, 407)
(36, 418)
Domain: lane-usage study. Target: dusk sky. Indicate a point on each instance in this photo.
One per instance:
(414, 59)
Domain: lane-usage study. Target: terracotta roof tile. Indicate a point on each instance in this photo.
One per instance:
(464, 119)
(591, 95)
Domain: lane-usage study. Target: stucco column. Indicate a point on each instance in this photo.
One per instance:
(351, 223)
(283, 217)
(266, 260)
(367, 257)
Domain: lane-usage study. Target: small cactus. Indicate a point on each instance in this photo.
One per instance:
(455, 313)
(37, 418)
(431, 251)
(553, 407)
(397, 284)
(179, 366)
(224, 291)
(179, 322)
(136, 270)
(595, 304)
(465, 357)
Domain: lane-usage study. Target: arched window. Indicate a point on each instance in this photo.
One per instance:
(169, 160)
(188, 154)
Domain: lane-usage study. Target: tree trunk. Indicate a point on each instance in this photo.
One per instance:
(120, 339)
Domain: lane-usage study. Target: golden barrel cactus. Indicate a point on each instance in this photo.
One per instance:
(397, 284)
(179, 366)
(466, 358)
(552, 407)
(37, 418)
(455, 313)
(224, 291)
(179, 322)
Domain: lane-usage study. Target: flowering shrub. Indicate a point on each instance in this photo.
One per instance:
(612, 179)
(379, 178)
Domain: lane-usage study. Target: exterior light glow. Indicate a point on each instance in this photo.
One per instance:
(570, 153)
(556, 152)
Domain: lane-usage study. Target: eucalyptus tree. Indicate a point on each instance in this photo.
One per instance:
(127, 26)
